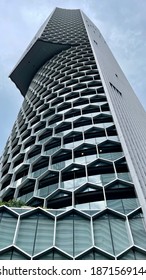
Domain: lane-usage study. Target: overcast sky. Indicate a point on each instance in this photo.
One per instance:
(122, 23)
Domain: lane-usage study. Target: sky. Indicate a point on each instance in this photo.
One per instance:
(122, 23)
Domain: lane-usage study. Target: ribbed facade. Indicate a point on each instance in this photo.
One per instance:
(73, 156)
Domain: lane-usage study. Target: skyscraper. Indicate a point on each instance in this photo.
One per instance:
(76, 154)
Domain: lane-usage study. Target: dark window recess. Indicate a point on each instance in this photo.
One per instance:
(81, 101)
(49, 180)
(72, 95)
(16, 151)
(60, 202)
(62, 156)
(64, 106)
(57, 101)
(121, 166)
(22, 173)
(52, 144)
(88, 92)
(40, 126)
(116, 90)
(90, 196)
(6, 169)
(100, 168)
(51, 96)
(64, 91)
(7, 182)
(9, 195)
(41, 164)
(19, 161)
(64, 126)
(82, 122)
(49, 113)
(31, 142)
(102, 119)
(73, 172)
(27, 188)
(27, 134)
(35, 152)
(36, 120)
(111, 131)
(46, 134)
(72, 137)
(94, 132)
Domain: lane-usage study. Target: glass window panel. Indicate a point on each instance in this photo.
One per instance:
(82, 234)
(6, 256)
(106, 178)
(133, 255)
(73, 234)
(43, 192)
(124, 176)
(128, 256)
(52, 256)
(130, 204)
(96, 179)
(17, 256)
(138, 231)
(116, 204)
(25, 197)
(60, 165)
(7, 229)
(111, 234)
(102, 234)
(26, 234)
(44, 234)
(140, 256)
(96, 205)
(119, 234)
(111, 156)
(79, 181)
(37, 173)
(64, 234)
(68, 185)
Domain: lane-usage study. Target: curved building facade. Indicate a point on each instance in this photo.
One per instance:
(75, 156)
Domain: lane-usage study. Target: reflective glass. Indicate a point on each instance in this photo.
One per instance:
(138, 229)
(7, 229)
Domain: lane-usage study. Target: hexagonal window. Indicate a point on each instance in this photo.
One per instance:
(73, 176)
(73, 233)
(36, 231)
(89, 197)
(48, 184)
(61, 159)
(26, 191)
(85, 153)
(40, 166)
(110, 233)
(121, 197)
(52, 146)
(110, 150)
(101, 172)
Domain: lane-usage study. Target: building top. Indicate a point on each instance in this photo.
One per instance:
(42, 47)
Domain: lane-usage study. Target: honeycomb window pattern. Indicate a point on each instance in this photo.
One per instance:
(65, 161)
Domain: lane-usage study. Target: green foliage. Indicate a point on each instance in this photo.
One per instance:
(12, 203)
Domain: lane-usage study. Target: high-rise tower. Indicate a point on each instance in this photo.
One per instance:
(76, 154)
